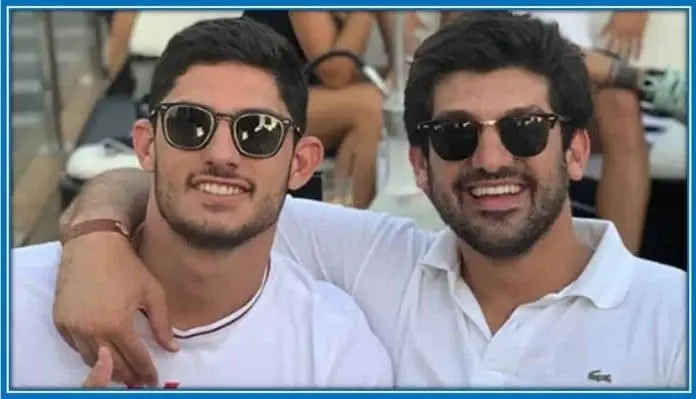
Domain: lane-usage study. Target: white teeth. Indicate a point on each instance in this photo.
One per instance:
(219, 189)
(503, 189)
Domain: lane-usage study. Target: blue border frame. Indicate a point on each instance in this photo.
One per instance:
(6, 145)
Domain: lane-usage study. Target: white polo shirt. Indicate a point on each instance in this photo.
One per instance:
(622, 323)
(298, 333)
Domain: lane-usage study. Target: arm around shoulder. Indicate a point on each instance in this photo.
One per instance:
(332, 242)
(101, 281)
(120, 195)
(357, 358)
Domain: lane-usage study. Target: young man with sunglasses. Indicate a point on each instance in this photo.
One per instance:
(223, 143)
(515, 292)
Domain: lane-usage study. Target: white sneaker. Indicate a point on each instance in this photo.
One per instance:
(667, 92)
(90, 160)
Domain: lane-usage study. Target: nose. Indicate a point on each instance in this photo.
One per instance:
(491, 155)
(221, 149)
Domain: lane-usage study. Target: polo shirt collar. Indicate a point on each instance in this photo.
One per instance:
(604, 281)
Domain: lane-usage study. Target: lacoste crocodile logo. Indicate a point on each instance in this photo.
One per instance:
(597, 376)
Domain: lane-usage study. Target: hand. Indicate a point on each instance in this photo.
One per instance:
(101, 285)
(100, 375)
(623, 34)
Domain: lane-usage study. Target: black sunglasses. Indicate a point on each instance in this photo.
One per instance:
(255, 133)
(522, 135)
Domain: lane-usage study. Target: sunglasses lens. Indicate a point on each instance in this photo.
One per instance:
(453, 140)
(188, 127)
(525, 136)
(258, 134)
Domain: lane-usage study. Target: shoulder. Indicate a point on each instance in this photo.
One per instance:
(329, 308)
(658, 286)
(36, 265)
(349, 352)
(362, 234)
(657, 307)
(33, 275)
(34, 270)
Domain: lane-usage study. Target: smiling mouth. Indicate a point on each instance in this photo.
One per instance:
(223, 190)
(495, 190)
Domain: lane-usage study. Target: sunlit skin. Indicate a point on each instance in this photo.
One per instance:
(260, 183)
(211, 249)
(499, 225)
(506, 240)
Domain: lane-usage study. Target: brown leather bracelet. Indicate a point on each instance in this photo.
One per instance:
(94, 226)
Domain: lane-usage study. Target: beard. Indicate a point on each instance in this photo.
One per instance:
(207, 234)
(494, 235)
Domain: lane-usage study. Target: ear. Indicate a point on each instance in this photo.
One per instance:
(419, 163)
(309, 153)
(577, 154)
(144, 144)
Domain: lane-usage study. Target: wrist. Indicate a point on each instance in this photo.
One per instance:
(109, 227)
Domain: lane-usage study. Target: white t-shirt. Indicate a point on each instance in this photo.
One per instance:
(299, 333)
(624, 319)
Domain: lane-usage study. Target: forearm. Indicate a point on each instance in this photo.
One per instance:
(119, 194)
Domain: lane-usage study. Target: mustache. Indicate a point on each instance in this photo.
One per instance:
(476, 175)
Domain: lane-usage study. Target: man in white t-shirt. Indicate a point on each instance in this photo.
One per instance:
(223, 143)
(515, 292)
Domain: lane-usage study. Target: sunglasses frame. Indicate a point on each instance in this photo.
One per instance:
(550, 118)
(232, 119)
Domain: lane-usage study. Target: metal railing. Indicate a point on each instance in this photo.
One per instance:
(50, 75)
(51, 83)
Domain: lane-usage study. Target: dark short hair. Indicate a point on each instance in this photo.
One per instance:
(240, 40)
(484, 41)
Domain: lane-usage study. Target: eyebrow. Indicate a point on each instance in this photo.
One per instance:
(463, 114)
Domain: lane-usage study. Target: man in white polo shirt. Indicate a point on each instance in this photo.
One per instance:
(223, 143)
(513, 293)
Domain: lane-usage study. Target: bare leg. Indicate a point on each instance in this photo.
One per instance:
(117, 43)
(350, 119)
(624, 188)
(385, 20)
(664, 89)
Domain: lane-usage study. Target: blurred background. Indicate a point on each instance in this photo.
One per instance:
(56, 79)
(79, 79)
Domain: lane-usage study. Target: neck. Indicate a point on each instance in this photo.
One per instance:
(500, 286)
(201, 287)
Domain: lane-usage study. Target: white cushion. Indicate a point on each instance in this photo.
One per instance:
(153, 29)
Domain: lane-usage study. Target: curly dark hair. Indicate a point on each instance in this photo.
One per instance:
(484, 41)
(234, 40)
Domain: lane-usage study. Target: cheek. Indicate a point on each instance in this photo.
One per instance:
(175, 167)
(269, 174)
(548, 169)
(444, 174)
